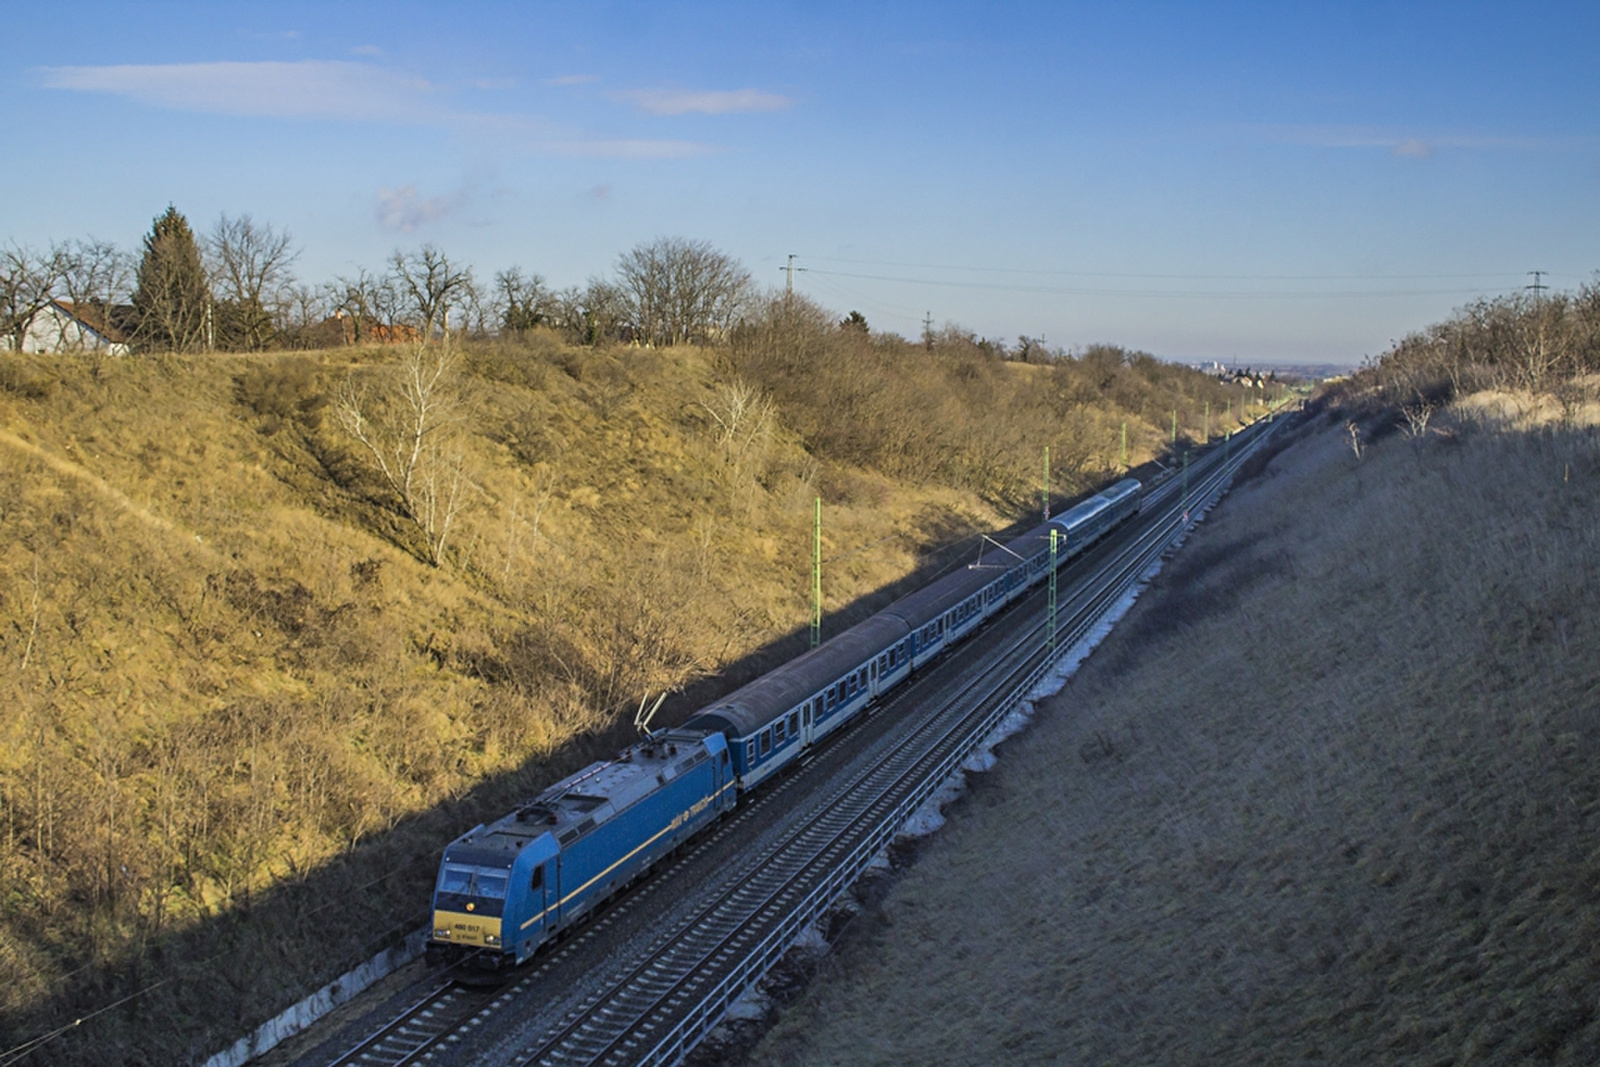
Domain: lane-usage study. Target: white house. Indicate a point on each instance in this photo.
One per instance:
(61, 326)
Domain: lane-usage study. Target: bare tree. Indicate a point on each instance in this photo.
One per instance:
(1353, 432)
(364, 301)
(96, 273)
(743, 417)
(249, 265)
(28, 281)
(301, 309)
(430, 285)
(1416, 418)
(597, 312)
(680, 291)
(522, 302)
(406, 425)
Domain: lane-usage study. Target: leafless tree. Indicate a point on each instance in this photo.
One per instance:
(406, 425)
(301, 308)
(680, 291)
(1416, 418)
(365, 300)
(522, 302)
(28, 281)
(743, 417)
(249, 267)
(430, 286)
(1353, 432)
(97, 274)
(595, 313)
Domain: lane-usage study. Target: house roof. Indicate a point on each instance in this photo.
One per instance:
(113, 322)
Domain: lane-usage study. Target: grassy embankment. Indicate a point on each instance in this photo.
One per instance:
(242, 710)
(1331, 792)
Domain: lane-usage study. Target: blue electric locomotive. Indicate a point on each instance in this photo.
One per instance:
(505, 889)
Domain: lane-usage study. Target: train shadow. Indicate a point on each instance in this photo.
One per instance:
(193, 991)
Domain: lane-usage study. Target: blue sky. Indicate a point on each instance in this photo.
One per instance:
(1248, 182)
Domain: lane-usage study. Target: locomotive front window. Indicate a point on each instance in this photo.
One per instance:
(491, 884)
(453, 879)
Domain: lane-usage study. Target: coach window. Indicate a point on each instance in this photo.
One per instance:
(794, 723)
(749, 752)
(777, 732)
(766, 741)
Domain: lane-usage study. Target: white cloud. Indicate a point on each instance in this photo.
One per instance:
(365, 92)
(704, 101)
(1413, 148)
(366, 50)
(315, 89)
(573, 79)
(404, 210)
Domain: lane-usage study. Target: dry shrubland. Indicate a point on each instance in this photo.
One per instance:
(1541, 345)
(1330, 793)
(925, 413)
(253, 681)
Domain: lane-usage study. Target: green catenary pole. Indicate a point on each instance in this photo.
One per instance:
(816, 577)
(1174, 426)
(1208, 421)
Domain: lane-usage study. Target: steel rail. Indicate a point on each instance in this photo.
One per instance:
(417, 1029)
(622, 1025)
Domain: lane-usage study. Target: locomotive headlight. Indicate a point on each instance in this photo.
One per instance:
(490, 939)
(441, 933)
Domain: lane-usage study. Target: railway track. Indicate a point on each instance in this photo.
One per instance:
(660, 1009)
(420, 1028)
(657, 1007)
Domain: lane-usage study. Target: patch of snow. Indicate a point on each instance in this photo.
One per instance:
(811, 940)
(751, 1005)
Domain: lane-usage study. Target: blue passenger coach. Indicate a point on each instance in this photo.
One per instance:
(505, 888)
(772, 718)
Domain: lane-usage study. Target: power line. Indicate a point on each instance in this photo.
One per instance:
(1222, 294)
(1160, 276)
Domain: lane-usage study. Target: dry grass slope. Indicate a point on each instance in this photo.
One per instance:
(1330, 794)
(240, 707)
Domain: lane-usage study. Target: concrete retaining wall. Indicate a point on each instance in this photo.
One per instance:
(301, 1015)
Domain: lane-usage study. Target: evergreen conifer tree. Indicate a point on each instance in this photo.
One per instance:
(172, 304)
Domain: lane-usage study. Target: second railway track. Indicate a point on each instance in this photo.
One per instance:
(657, 1004)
